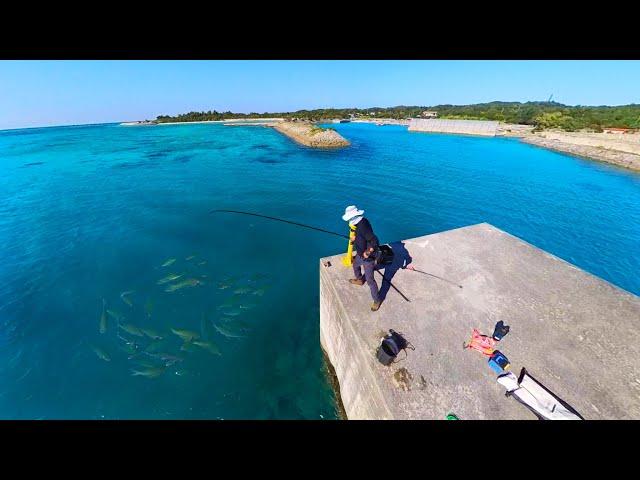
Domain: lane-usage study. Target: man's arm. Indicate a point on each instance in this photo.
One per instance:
(372, 240)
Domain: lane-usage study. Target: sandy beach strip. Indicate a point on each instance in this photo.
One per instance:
(137, 124)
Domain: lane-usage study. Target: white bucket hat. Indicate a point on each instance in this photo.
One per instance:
(350, 212)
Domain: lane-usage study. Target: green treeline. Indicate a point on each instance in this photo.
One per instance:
(542, 115)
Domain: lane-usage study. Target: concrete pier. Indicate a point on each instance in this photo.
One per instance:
(484, 128)
(575, 333)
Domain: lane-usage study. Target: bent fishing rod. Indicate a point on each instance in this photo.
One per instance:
(312, 228)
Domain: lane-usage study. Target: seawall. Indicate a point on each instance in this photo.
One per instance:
(574, 332)
(464, 127)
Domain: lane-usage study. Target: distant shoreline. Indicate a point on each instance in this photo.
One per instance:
(231, 120)
(622, 150)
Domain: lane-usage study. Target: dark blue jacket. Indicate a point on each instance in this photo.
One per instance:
(365, 238)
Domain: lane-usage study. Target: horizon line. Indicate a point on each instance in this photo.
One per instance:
(322, 108)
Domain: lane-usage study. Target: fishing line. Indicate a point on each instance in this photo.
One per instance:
(312, 228)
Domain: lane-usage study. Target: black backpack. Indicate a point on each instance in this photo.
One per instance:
(384, 255)
(390, 346)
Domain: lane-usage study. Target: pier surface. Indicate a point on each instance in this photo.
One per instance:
(572, 331)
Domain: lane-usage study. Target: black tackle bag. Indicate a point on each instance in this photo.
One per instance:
(390, 346)
(384, 255)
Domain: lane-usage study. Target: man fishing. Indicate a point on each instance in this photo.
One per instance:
(368, 252)
(366, 245)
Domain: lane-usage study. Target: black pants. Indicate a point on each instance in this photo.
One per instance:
(369, 268)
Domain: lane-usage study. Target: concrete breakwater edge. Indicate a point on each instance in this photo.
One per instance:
(560, 319)
(311, 135)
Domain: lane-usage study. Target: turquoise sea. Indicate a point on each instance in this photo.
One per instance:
(94, 212)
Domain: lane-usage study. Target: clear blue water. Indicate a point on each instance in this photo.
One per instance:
(88, 213)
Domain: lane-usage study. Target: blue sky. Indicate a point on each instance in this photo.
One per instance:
(39, 93)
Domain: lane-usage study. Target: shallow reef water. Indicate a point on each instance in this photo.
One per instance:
(90, 214)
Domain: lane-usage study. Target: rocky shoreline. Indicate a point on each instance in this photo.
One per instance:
(311, 135)
(623, 152)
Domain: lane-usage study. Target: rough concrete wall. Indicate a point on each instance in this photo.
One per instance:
(360, 394)
(466, 127)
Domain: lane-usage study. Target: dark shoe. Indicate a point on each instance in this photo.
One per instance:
(375, 306)
(357, 281)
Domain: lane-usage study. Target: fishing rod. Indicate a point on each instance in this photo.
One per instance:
(312, 228)
(435, 276)
(282, 220)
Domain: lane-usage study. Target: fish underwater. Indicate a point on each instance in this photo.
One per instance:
(149, 372)
(189, 282)
(227, 331)
(132, 329)
(166, 358)
(247, 306)
(148, 307)
(169, 278)
(190, 257)
(168, 262)
(259, 291)
(209, 347)
(125, 297)
(129, 348)
(152, 334)
(171, 360)
(188, 347)
(156, 346)
(225, 305)
(103, 317)
(186, 335)
(145, 364)
(242, 290)
(101, 354)
(115, 314)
